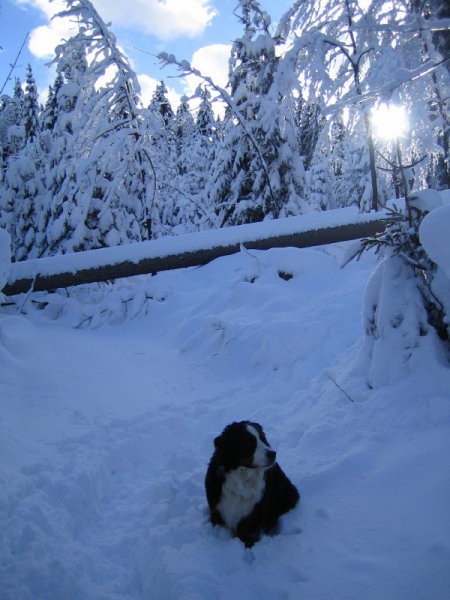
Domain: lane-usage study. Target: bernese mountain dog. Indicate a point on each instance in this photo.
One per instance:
(246, 489)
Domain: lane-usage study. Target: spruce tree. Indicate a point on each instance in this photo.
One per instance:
(31, 107)
(95, 203)
(163, 148)
(258, 173)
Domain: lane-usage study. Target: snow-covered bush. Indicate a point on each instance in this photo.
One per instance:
(406, 301)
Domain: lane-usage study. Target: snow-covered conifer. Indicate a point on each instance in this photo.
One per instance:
(31, 107)
(163, 148)
(256, 175)
(93, 203)
(309, 124)
(12, 129)
(160, 105)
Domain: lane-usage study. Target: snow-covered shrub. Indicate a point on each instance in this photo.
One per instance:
(406, 301)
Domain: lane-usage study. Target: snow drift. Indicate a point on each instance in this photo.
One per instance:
(106, 434)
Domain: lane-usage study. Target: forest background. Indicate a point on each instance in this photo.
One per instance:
(94, 167)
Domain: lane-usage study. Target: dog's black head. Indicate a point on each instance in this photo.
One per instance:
(244, 444)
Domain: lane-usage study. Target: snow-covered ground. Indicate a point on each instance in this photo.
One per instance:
(106, 431)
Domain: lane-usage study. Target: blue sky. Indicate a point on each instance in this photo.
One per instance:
(195, 30)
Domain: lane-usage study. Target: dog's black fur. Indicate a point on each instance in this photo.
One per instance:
(247, 491)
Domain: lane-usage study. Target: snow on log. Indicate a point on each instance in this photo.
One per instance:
(189, 250)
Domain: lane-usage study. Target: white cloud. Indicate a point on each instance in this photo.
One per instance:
(44, 39)
(211, 61)
(164, 19)
(49, 8)
(148, 86)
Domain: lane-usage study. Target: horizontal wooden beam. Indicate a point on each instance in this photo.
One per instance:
(50, 273)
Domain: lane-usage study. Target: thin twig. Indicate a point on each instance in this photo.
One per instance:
(14, 64)
(339, 387)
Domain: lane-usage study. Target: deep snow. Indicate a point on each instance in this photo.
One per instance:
(105, 434)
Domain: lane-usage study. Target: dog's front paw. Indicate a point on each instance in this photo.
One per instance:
(248, 537)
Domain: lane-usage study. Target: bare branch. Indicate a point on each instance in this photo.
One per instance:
(14, 64)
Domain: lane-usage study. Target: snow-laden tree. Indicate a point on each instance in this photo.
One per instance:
(320, 180)
(435, 45)
(12, 131)
(204, 154)
(163, 148)
(353, 55)
(160, 106)
(309, 123)
(332, 48)
(4, 119)
(24, 174)
(185, 183)
(25, 187)
(12, 140)
(196, 143)
(51, 108)
(411, 73)
(31, 106)
(404, 313)
(258, 172)
(177, 179)
(95, 202)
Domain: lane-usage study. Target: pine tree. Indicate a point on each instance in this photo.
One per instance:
(25, 186)
(255, 176)
(31, 107)
(5, 101)
(12, 138)
(160, 106)
(49, 114)
(13, 123)
(177, 214)
(309, 125)
(194, 141)
(321, 181)
(204, 154)
(94, 203)
(163, 147)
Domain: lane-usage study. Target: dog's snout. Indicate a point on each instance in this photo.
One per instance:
(271, 455)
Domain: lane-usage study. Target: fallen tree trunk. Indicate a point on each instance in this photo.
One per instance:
(188, 250)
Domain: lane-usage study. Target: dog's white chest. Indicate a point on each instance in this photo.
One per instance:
(242, 489)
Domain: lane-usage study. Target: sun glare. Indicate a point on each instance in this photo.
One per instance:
(389, 121)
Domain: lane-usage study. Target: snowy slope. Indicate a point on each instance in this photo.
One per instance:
(105, 435)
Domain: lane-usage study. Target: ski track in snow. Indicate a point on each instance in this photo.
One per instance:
(106, 434)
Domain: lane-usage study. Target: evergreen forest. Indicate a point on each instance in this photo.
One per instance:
(92, 167)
